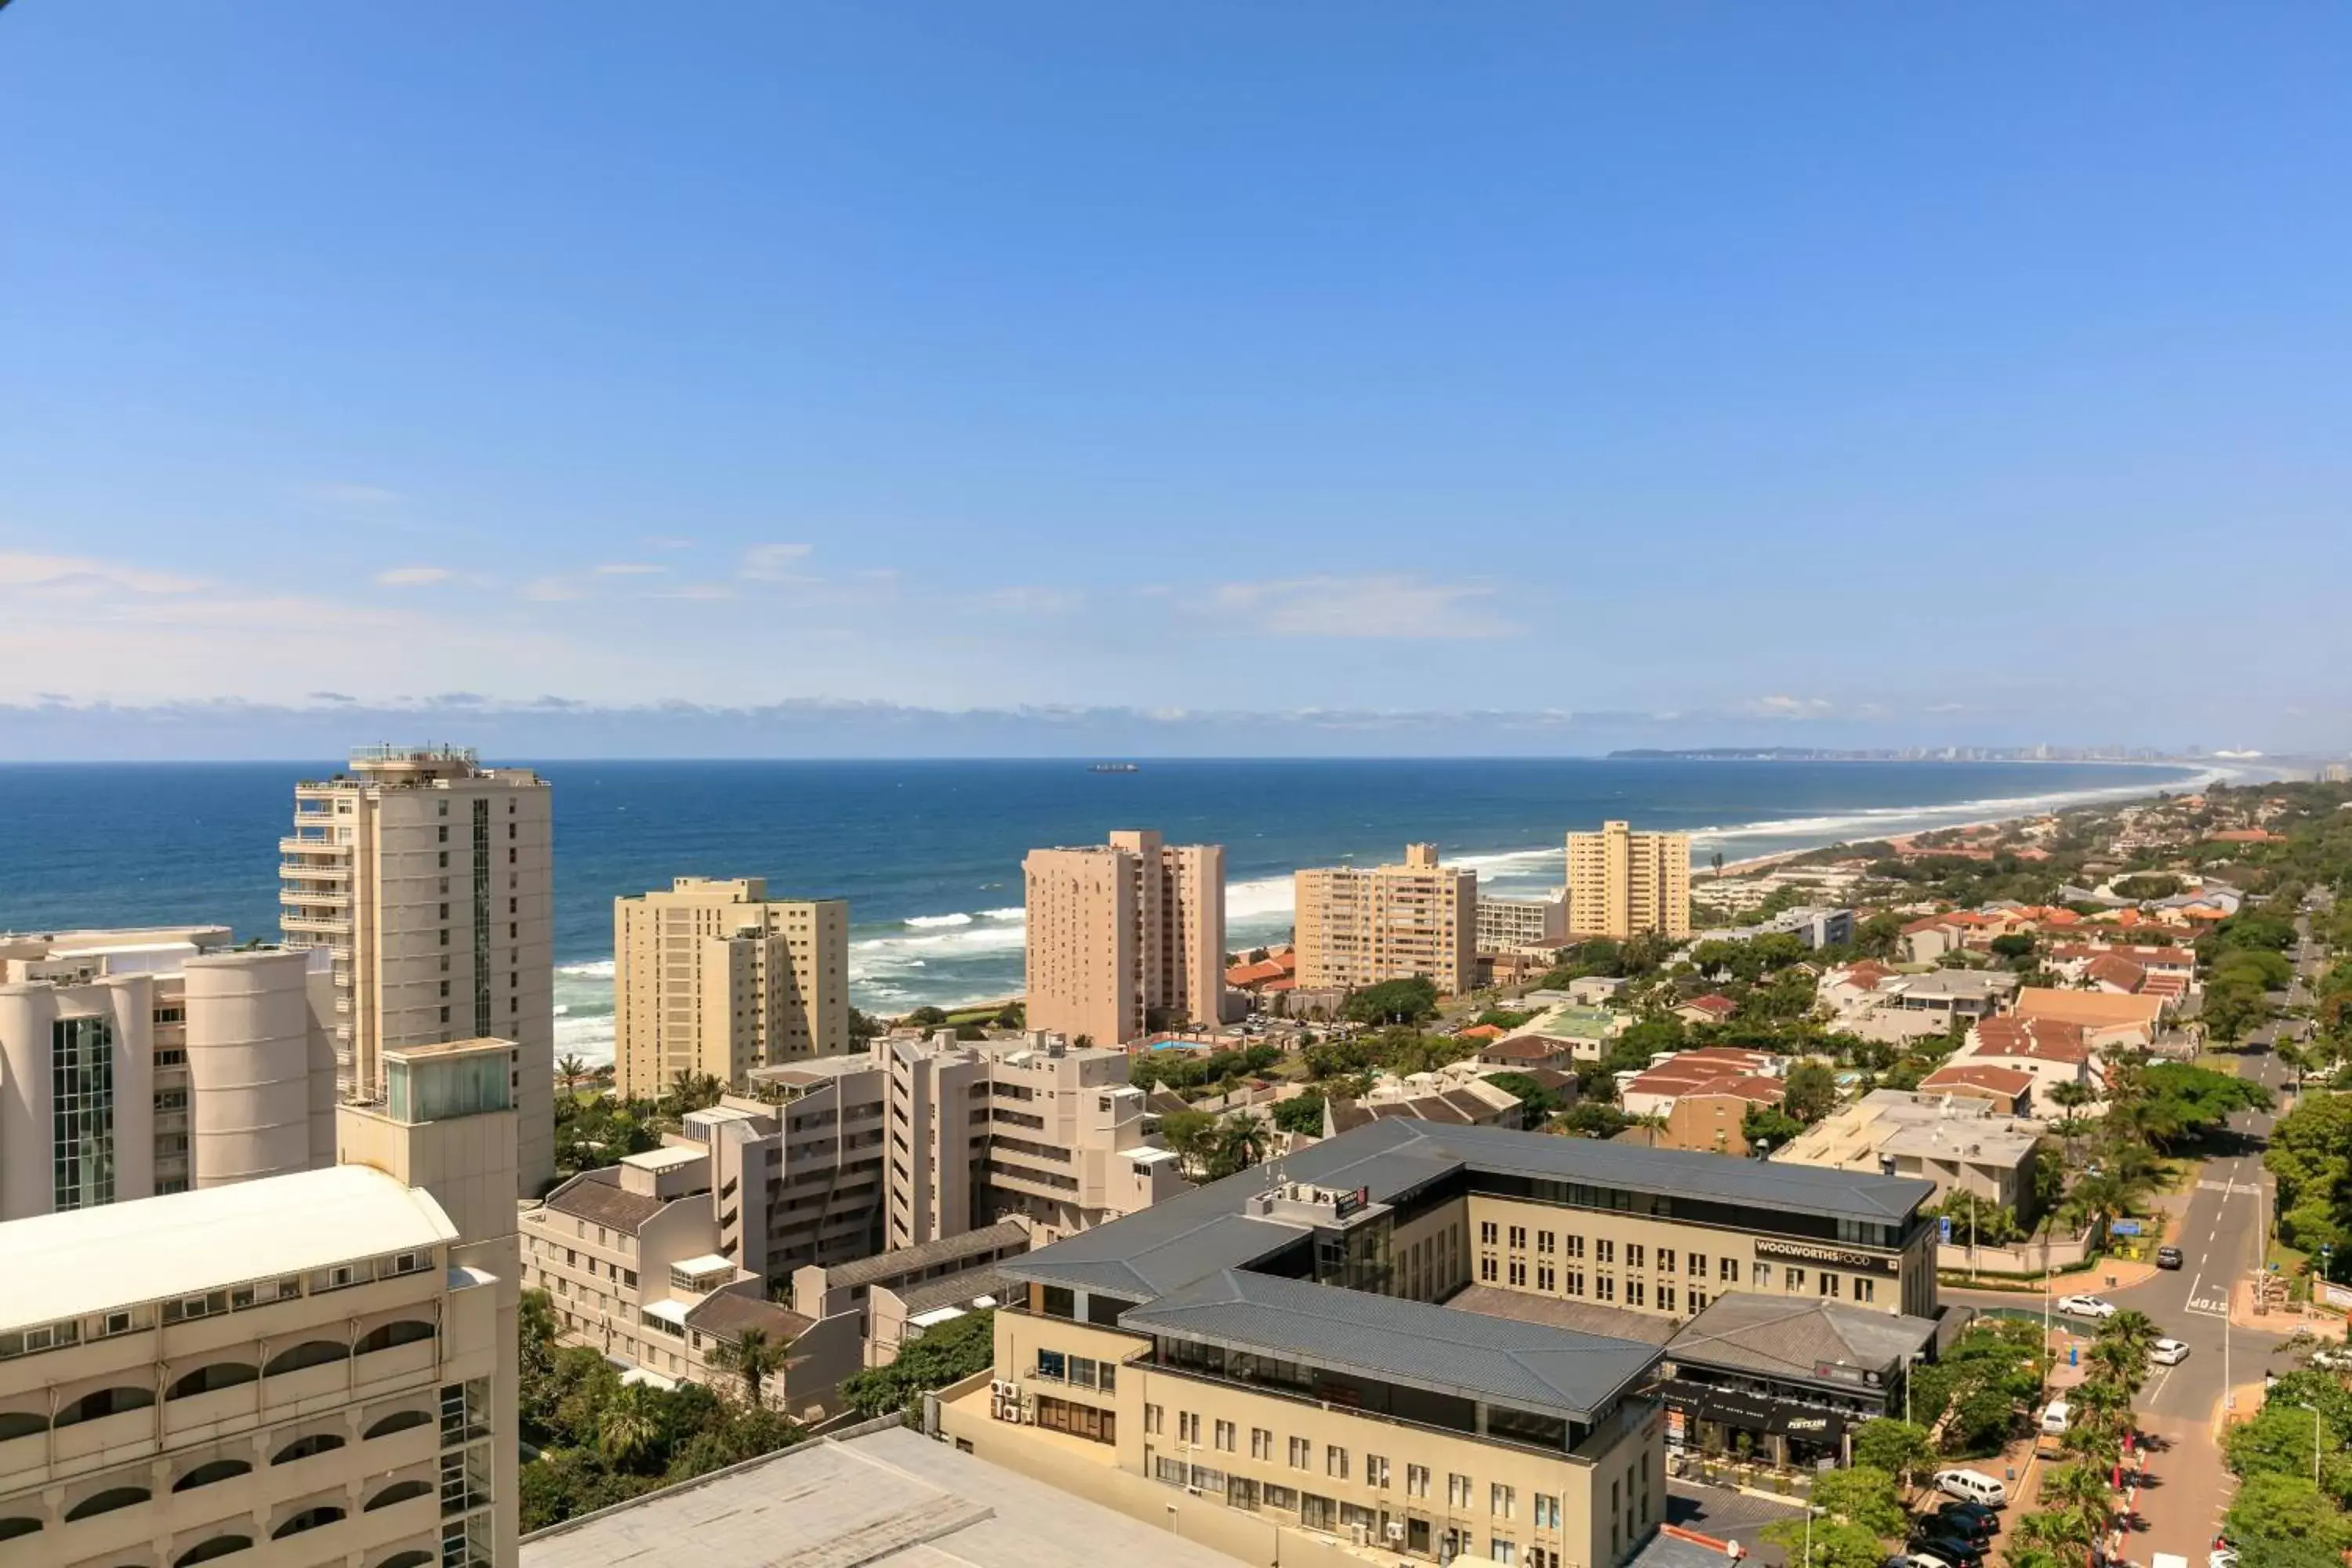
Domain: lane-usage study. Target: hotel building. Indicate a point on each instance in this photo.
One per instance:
(1505, 925)
(1293, 1343)
(1360, 927)
(1622, 883)
(144, 1062)
(303, 1369)
(716, 977)
(427, 878)
(1125, 937)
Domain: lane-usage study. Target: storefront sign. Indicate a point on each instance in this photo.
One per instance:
(1752, 1412)
(1834, 1372)
(1798, 1252)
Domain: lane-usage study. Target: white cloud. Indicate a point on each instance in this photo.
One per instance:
(413, 576)
(1782, 707)
(630, 569)
(75, 576)
(551, 589)
(1374, 607)
(773, 562)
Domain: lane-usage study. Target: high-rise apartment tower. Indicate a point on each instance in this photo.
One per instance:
(1125, 936)
(429, 877)
(716, 977)
(1621, 882)
(1359, 926)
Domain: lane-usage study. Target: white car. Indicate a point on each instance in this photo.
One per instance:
(2332, 1358)
(2087, 1307)
(2221, 1557)
(2168, 1352)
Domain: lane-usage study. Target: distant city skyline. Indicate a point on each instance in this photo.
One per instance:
(1072, 378)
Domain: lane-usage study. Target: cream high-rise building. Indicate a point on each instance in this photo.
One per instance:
(1359, 927)
(144, 1062)
(716, 977)
(1125, 937)
(1621, 882)
(429, 879)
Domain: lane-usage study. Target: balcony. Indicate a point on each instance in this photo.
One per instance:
(319, 868)
(310, 841)
(332, 924)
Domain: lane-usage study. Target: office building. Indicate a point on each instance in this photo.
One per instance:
(1505, 924)
(1622, 883)
(717, 978)
(1786, 1380)
(144, 1062)
(1361, 927)
(427, 878)
(1953, 1141)
(295, 1370)
(1276, 1347)
(1125, 937)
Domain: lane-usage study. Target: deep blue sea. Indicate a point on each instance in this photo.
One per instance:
(929, 854)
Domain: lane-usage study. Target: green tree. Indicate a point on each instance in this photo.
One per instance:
(1237, 1142)
(1896, 1448)
(1862, 1495)
(1811, 1092)
(1833, 1545)
(754, 1357)
(1301, 1113)
(690, 1091)
(1395, 1001)
(1764, 1126)
(1192, 1135)
(628, 1425)
(948, 1353)
(2281, 1521)
(1595, 1119)
(1537, 1103)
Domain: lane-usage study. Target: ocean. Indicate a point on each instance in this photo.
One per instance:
(929, 854)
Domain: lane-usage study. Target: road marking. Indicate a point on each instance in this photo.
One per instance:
(2209, 1306)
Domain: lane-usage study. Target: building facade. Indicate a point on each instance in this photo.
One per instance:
(146, 1062)
(1125, 937)
(1622, 883)
(1360, 927)
(1278, 1349)
(716, 977)
(295, 1370)
(429, 879)
(1507, 925)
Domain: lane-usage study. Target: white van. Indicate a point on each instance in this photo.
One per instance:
(1972, 1485)
(2054, 1419)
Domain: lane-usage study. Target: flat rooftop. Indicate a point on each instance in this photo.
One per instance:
(891, 1498)
(153, 1250)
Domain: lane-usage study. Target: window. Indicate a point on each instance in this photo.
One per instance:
(1574, 1281)
(1261, 1443)
(1171, 1472)
(1316, 1513)
(1302, 1453)
(1761, 1274)
(1728, 1270)
(1633, 1250)
(1634, 1293)
(1518, 1274)
(1794, 1278)
(1503, 1551)
(1605, 1251)
(1697, 1302)
(1082, 1371)
(1457, 1492)
(1152, 1416)
(1575, 1245)
(1666, 1298)
(1519, 1238)
(1335, 1461)
(1188, 1427)
(1865, 1289)
(81, 1103)
(1665, 1260)
(1829, 1283)
(1546, 1279)
(1546, 1241)
(1546, 1511)
(1225, 1435)
(1488, 1269)
(1604, 1287)
(1053, 1364)
(1416, 1480)
(1488, 1232)
(1280, 1497)
(1502, 1501)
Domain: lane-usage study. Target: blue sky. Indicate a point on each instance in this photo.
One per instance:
(1811, 373)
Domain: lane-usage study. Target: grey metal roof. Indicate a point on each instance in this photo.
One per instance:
(929, 1254)
(1791, 1336)
(1193, 1235)
(1499, 1360)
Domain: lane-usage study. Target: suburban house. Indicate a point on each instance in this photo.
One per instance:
(2049, 1051)
(2005, 1090)
(2106, 1019)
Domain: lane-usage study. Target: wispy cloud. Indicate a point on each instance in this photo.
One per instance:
(1395, 609)
(341, 494)
(773, 564)
(1783, 707)
(630, 569)
(698, 590)
(552, 590)
(1035, 600)
(413, 576)
(75, 576)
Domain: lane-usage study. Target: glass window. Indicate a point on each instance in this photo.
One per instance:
(1225, 1432)
(1335, 1461)
(1301, 1453)
(1082, 1371)
(81, 1114)
(1053, 1364)
(1152, 1415)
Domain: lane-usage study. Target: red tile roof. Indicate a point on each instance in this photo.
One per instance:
(2007, 1082)
(1712, 1004)
(2112, 969)
(2044, 1039)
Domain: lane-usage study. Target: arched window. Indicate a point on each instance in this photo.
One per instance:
(220, 1374)
(204, 1551)
(399, 1421)
(406, 1560)
(12, 1528)
(21, 1424)
(107, 1502)
(399, 1491)
(310, 1353)
(309, 1519)
(303, 1448)
(105, 1402)
(208, 1472)
(400, 1331)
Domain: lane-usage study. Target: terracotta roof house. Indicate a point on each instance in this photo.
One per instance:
(2107, 1017)
(2007, 1089)
(2113, 972)
(1710, 1008)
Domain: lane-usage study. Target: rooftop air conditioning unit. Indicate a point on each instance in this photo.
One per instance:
(1396, 1530)
(1359, 1535)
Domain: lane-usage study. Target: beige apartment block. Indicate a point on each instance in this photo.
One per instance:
(1125, 937)
(429, 879)
(716, 977)
(144, 1062)
(1361, 927)
(297, 1370)
(1279, 1352)
(1622, 883)
(1504, 925)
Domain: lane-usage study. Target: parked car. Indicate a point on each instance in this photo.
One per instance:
(1964, 1521)
(1972, 1485)
(1958, 1553)
(2332, 1358)
(2087, 1307)
(2167, 1352)
(1926, 1560)
(2167, 1257)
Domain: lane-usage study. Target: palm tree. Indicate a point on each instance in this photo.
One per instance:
(2135, 1333)
(2101, 1408)
(754, 1357)
(628, 1425)
(2080, 1494)
(690, 1091)
(1241, 1142)
(574, 1072)
(2059, 1533)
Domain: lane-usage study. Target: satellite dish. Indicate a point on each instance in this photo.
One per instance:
(1735, 1550)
